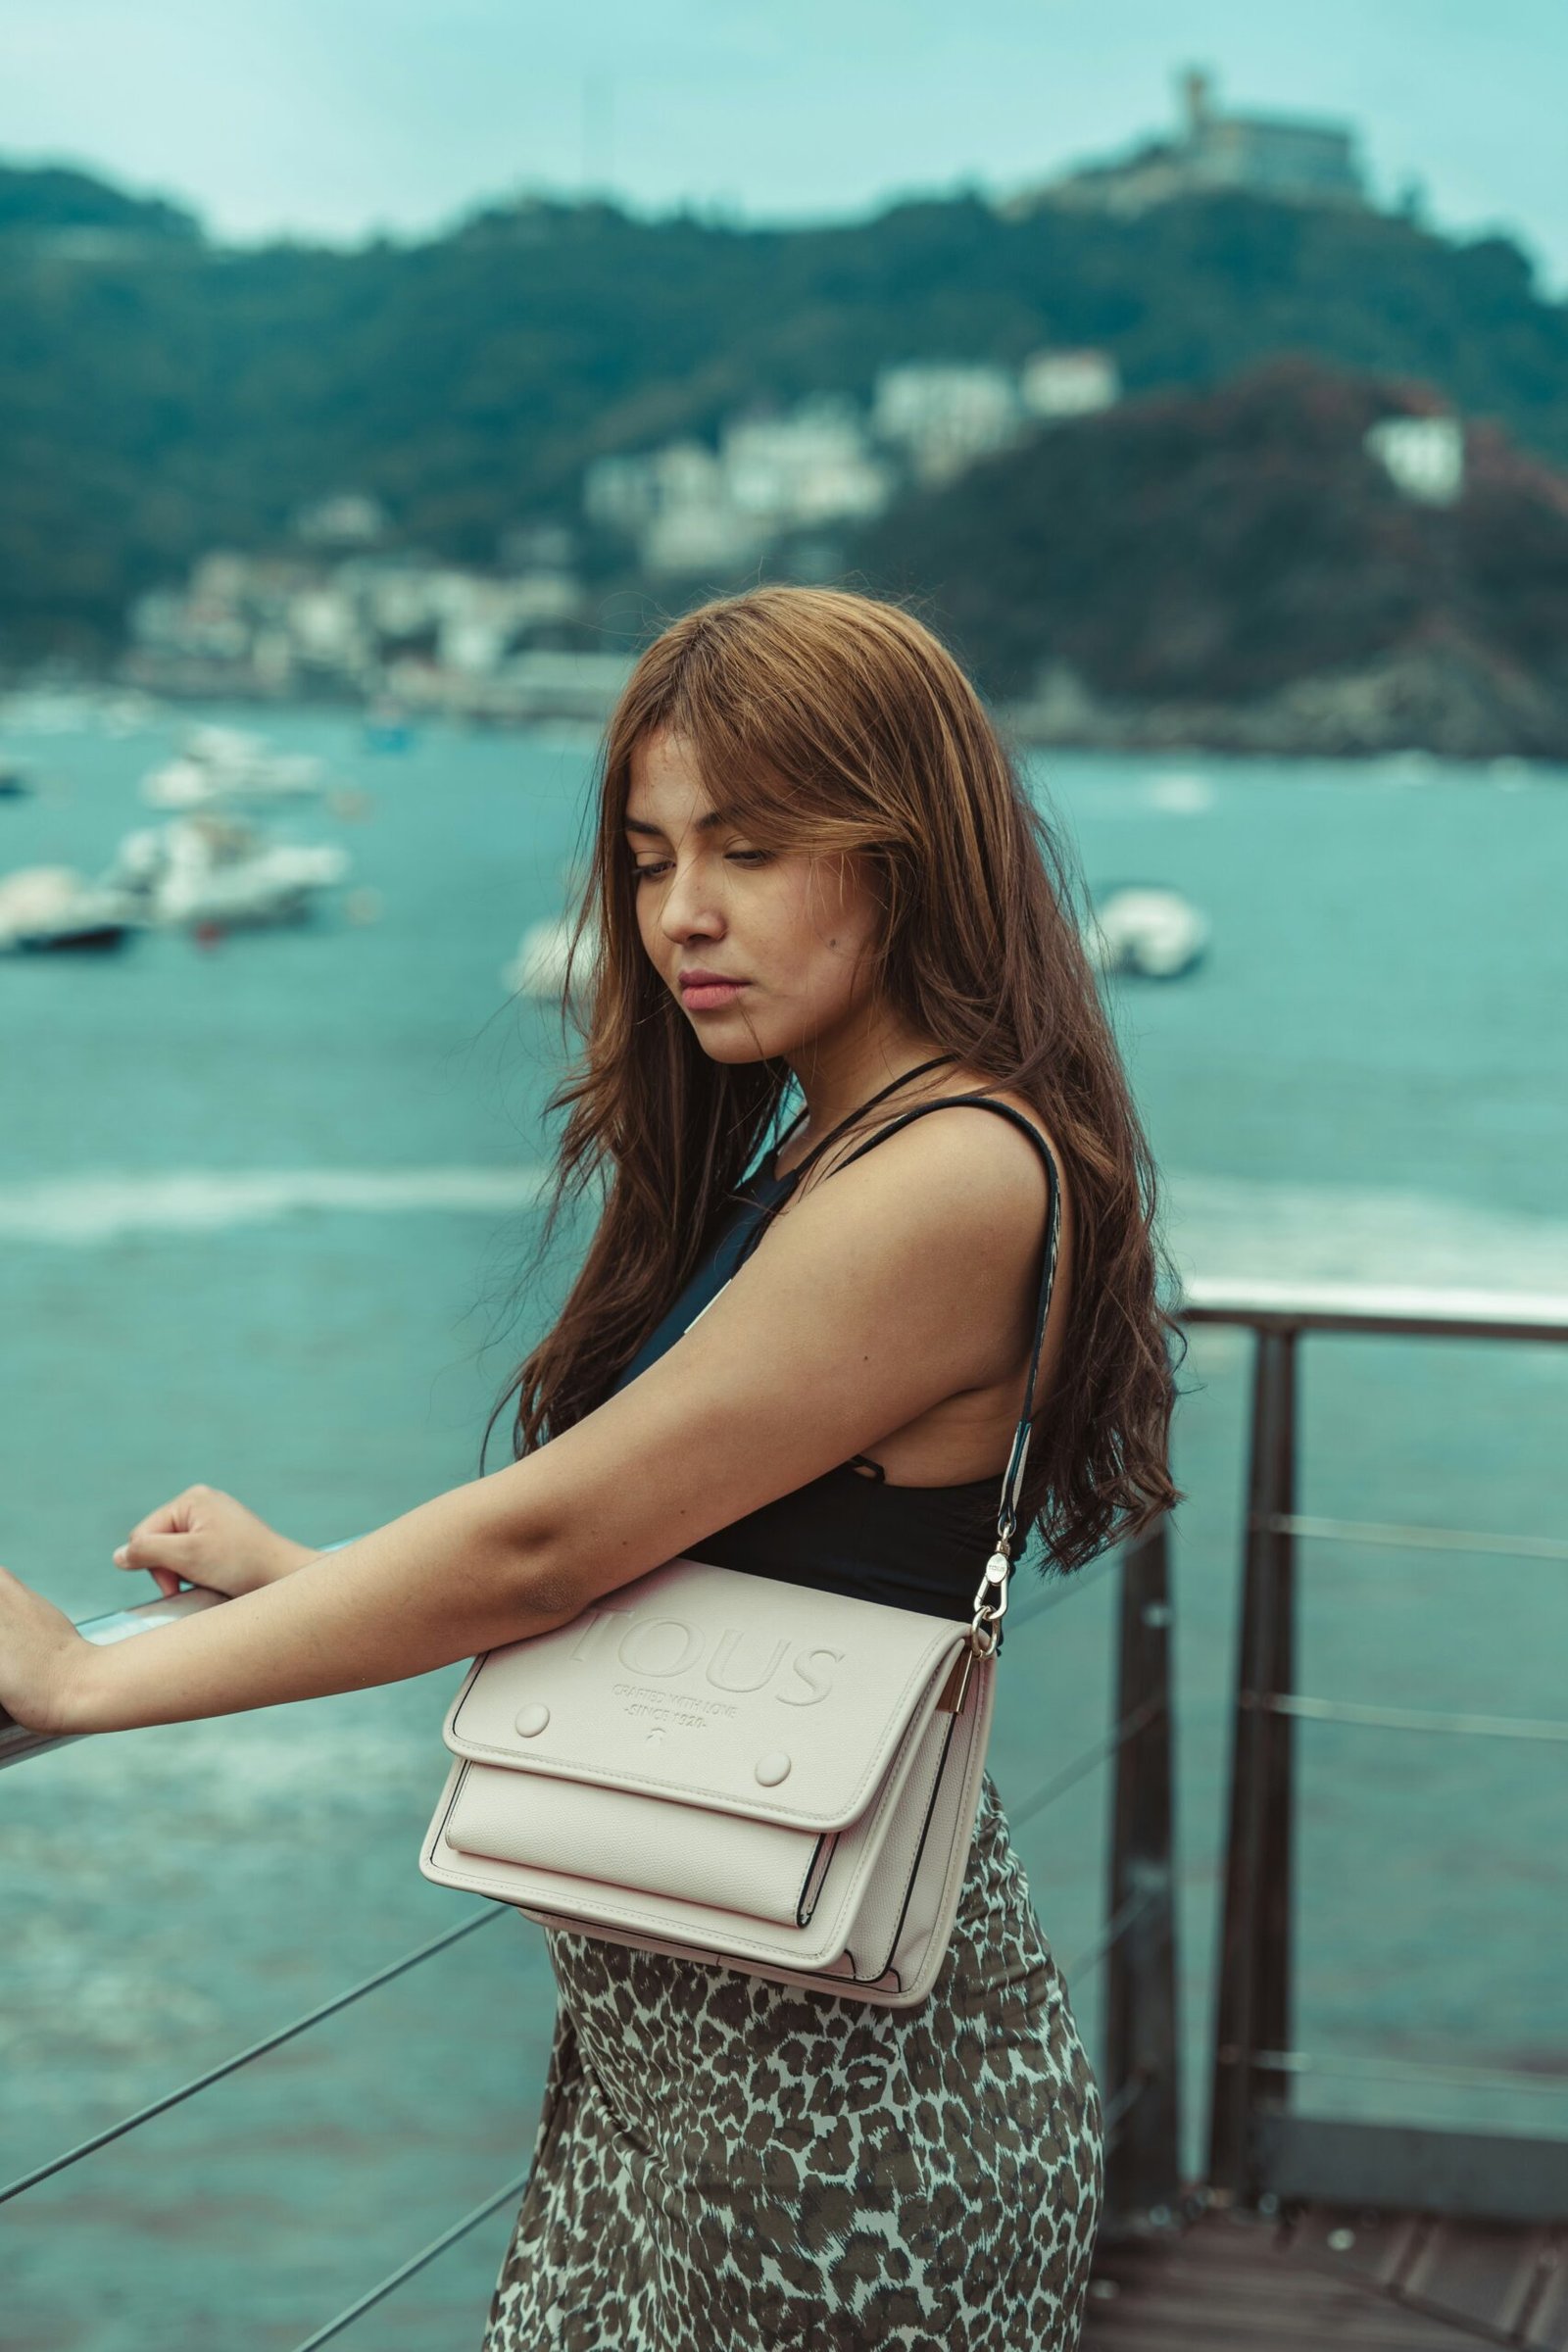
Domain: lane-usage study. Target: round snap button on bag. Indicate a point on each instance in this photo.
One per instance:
(772, 1768)
(531, 1720)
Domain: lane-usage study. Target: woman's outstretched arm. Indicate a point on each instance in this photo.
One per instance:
(908, 1278)
(445, 1581)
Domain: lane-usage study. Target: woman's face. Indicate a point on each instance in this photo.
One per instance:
(788, 929)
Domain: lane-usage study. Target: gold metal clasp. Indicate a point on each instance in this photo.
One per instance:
(958, 1683)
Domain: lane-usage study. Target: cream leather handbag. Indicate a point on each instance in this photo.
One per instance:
(737, 1770)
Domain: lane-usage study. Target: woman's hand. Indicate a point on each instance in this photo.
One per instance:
(42, 1658)
(206, 1538)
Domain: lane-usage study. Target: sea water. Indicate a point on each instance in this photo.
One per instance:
(264, 1203)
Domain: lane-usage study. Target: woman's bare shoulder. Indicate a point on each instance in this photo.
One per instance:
(968, 1184)
(981, 1149)
(981, 1128)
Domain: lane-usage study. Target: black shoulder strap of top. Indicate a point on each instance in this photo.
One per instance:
(1012, 1479)
(904, 1079)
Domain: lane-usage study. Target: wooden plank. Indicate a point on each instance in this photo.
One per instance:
(1545, 2326)
(1374, 2248)
(1237, 2283)
(1483, 2271)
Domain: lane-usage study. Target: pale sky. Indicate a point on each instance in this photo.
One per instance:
(331, 119)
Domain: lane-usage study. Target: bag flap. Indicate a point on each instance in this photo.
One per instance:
(711, 1687)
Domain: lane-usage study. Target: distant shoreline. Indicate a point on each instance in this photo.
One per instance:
(1421, 701)
(1397, 709)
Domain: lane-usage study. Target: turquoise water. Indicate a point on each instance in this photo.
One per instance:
(207, 1271)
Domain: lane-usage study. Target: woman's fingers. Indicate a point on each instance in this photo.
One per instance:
(170, 1518)
(159, 1547)
(151, 1553)
(202, 1537)
(154, 1541)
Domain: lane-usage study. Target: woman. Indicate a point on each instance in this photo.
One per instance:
(814, 862)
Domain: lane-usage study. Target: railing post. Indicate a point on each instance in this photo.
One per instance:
(1142, 2161)
(1254, 1993)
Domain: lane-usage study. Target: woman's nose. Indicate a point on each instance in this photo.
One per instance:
(689, 906)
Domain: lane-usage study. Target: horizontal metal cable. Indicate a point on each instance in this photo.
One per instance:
(1411, 1538)
(1411, 2069)
(437, 2245)
(1071, 1774)
(1092, 1954)
(256, 2049)
(1406, 1718)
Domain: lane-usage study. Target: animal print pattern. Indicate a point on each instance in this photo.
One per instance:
(726, 2164)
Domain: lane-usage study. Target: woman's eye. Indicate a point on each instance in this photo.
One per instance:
(660, 866)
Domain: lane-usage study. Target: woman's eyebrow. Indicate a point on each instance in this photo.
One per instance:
(704, 824)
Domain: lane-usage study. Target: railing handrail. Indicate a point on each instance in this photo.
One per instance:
(1421, 1312)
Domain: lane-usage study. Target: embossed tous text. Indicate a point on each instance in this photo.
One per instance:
(649, 1645)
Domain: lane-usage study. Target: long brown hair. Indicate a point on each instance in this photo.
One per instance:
(829, 720)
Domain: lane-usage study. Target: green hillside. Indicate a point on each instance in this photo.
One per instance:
(160, 394)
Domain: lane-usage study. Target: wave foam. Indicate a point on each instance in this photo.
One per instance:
(1218, 1227)
(104, 1207)
(1226, 1228)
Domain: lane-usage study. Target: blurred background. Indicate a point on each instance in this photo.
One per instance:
(373, 385)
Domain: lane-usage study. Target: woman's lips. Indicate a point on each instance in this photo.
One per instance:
(706, 996)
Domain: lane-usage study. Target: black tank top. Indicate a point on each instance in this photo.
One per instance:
(915, 1547)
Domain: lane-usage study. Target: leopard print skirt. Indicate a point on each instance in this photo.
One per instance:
(725, 2164)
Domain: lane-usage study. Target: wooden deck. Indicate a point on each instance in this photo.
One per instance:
(1332, 2281)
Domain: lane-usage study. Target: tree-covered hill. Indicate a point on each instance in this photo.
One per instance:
(1234, 567)
(57, 202)
(160, 394)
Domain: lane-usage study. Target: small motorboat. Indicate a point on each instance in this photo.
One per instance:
(218, 871)
(223, 764)
(46, 909)
(1152, 933)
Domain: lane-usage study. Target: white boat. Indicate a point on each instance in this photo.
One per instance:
(219, 869)
(539, 966)
(1154, 934)
(223, 764)
(45, 908)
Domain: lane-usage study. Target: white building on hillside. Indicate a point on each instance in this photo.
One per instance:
(812, 464)
(1422, 456)
(1069, 383)
(1293, 159)
(675, 503)
(945, 413)
(693, 510)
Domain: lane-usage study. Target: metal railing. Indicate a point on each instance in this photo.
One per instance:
(1136, 1947)
(1258, 2146)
